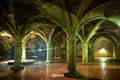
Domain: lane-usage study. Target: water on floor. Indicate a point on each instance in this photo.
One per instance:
(99, 70)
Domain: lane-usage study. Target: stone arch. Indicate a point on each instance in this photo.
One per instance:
(38, 52)
(99, 14)
(113, 39)
(6, 44)
(102, 12)
(60, 44)
(47, 38)
(102, 50)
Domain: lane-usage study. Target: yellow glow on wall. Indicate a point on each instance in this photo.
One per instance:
(102, 51)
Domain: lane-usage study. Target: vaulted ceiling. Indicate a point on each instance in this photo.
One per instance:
(24, 10)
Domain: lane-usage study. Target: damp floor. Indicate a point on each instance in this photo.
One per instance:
(98, 70)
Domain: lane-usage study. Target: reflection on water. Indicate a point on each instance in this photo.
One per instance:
(14, 75)
(103, 59)
(57, 75)
(47, 69)
(54, 71)
(23, 74)
(103, 71)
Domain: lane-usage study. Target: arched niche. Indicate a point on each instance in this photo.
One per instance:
(60, 46)
(103, 47)
(36, 48)
(6, 46)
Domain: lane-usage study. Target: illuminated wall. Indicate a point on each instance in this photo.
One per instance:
(103, 48)
(79, 50)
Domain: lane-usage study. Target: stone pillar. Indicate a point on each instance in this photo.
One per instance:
(90, 53)
(71, 57)
(23, 50)
(17, 55)
(49, 53)
(85, 53)
(114, 55)
(117, 52)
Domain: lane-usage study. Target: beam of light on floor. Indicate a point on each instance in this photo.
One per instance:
(57, 75)
(43, 49)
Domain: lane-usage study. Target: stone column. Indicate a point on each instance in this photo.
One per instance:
(85, 53)
(23, 49)
(71, 56)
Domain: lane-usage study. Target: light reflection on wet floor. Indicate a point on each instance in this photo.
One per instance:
(54, 71)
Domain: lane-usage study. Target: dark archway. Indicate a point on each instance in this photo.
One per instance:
(3, 50)
(36, 49)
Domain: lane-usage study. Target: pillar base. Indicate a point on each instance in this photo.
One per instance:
(47, 61)
(23, 62)
(17, 68)
(71, 74)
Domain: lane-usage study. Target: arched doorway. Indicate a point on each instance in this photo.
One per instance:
(36, 49)
(103, 49)
(59, 47)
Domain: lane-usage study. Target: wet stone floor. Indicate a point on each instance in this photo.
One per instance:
(54, 71)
